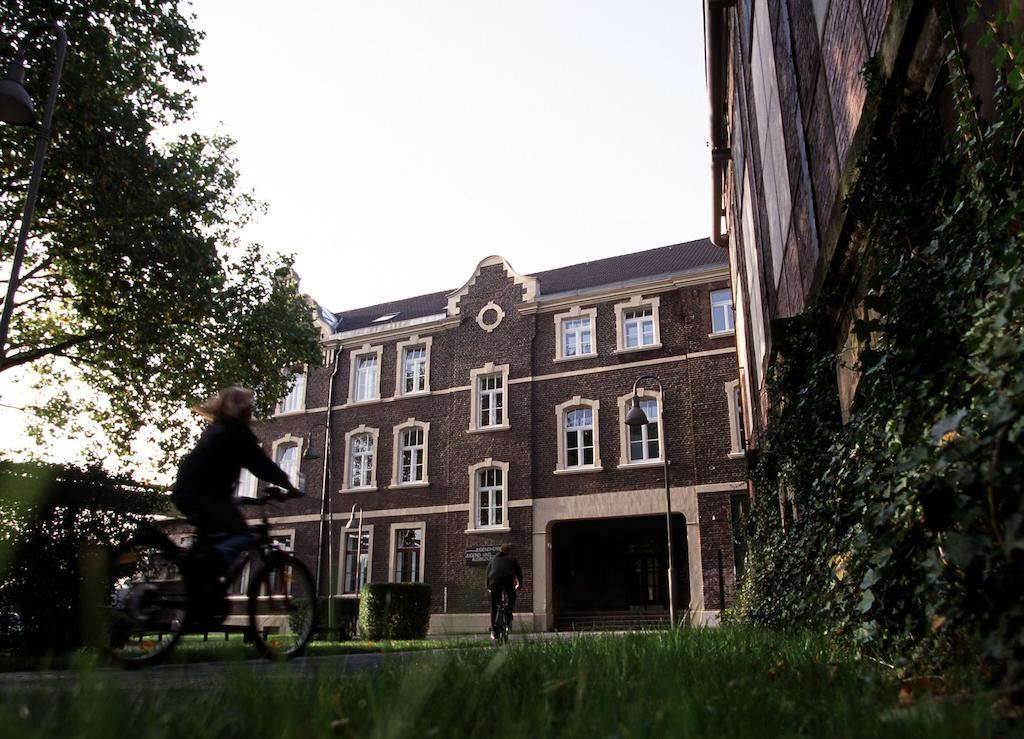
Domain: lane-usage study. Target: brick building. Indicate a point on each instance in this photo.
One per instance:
(453, 422)
(790, 116)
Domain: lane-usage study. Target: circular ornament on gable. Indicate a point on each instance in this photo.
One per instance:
(490, 316)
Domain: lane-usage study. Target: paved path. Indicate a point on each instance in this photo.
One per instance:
(199, 674)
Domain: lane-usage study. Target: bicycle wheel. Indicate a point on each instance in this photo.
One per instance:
(145, 602)
(282, 607)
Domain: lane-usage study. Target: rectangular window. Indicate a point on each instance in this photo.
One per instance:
(492, 401)
(414, 370)
(408, 551)
(576, 337)
(643, 440)
(412, 455)
(579, 438)
(361, 462)
(722, 318)
(737, 403)
(240, 584)
(288, 460)
(295, 399)
(490, 498)
(638, 327)
(366, 377)
(356, 565)
(247, 484)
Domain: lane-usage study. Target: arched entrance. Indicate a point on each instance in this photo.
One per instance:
(612, 572)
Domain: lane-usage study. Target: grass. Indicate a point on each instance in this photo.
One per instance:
(192, 649)
(727, 682)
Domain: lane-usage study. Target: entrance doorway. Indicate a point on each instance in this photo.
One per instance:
(616, 567)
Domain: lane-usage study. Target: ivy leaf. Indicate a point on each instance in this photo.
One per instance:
(947, 424)
(870, 578)
(866, 601)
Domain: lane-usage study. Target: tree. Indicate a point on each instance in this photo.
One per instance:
(134, 281)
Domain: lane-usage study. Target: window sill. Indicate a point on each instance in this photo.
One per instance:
(370, 489)
(417, 394)
(489, 429)
(489, 530)
(410, 485)
(722, 334)
(285, 414)
(354, 403)
(737, 455)
(577, 470)
(641, 465)
(634, 349)
(558, 360)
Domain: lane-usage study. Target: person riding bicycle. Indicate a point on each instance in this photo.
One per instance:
(207, 476)
(503, 574)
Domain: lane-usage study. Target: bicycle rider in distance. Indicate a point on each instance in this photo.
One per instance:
(205, 485)
(503, 573)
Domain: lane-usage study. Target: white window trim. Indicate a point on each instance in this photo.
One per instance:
(298, 441)
(472, 527)
(302, 375)
(474, 398)
(353, 361)
(245, 574)
(422, 526)
(732, 307)
(637, 301)
(247, 491)
(396, 458)
(625, 403)
(367, 529)
(410, 343)
(735, 448)
(575, 312)
(346, 477)
(561, 468)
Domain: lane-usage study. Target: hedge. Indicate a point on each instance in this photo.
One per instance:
(394, 610)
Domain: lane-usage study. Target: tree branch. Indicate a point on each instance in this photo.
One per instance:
(58, 349)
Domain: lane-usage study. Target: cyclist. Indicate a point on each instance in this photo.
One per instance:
(503, 573)
(206, 481)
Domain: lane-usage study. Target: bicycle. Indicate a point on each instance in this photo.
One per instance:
(503, 619)
(151, 604)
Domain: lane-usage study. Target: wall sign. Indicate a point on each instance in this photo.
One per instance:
(480, 556)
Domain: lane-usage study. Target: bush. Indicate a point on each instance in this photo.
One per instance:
(394, 610)
(48, 516)
(346, 615)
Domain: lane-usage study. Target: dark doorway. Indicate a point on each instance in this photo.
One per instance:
(617, 565)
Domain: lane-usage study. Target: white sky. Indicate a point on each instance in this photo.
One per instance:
(398, 142)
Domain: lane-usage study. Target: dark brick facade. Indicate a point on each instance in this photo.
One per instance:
(693, 367)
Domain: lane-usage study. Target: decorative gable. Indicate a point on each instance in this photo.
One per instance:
(530, 285)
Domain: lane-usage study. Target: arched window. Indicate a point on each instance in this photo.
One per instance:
(579, 446)
(360, 459)
(488, 492)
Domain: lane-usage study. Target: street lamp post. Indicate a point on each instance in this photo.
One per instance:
(326, 514)
(16, 108)
(359, 541)
(636, 418)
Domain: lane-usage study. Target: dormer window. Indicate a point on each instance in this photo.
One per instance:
(385, 318)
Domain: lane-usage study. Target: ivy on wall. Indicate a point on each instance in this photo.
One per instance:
(907, 525)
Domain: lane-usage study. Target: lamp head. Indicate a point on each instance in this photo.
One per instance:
(311, 453)
(636, 416)
(16, 106)
(352, 519)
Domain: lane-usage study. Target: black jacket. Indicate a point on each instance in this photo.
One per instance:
(212, 468)
(503, 569)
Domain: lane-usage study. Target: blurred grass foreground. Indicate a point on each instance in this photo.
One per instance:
(723, 682)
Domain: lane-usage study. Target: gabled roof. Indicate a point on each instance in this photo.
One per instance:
(692, 256)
